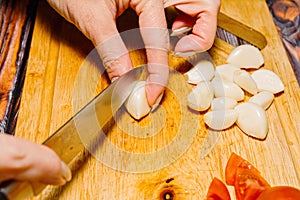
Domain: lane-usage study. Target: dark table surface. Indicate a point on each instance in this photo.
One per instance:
(17, 22)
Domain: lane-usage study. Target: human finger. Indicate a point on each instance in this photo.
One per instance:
(204, 14)
(96, 20)
(24, 160)
(154, 32)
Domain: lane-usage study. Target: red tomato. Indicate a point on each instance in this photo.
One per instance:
(280, 193)
(247, 181)
(233, 164)
(217, 191)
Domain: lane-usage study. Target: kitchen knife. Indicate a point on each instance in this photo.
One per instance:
(80, 131)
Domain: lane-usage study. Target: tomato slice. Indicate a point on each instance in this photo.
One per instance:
(233, 164)
(280, 193)
(217, 191)
(246, 179)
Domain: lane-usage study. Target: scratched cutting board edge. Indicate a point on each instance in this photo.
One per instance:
(50, 97)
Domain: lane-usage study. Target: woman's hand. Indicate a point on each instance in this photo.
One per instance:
(24, 160)
(97, 20)
(201, 17)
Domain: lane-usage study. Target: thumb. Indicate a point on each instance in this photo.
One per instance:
(25, 160)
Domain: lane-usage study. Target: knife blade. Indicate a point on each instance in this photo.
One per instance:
(211, 139)
(80, 130)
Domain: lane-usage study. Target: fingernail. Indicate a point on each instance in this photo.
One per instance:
(66, 172)
(184, 54)
(114, 78)
(181, 31)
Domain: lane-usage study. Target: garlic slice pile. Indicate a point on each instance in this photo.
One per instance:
(229, 81)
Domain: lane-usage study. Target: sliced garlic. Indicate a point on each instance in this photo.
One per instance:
(137, 104)
(252, 120)
(224, 88)
(263, 99)
(226, 71)
(202, 71)
(245, 81)
(246, 56)
(220, 119)
(267, 80)
(223, 103)
(201, 96)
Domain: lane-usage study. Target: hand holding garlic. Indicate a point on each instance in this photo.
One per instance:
(97, 21)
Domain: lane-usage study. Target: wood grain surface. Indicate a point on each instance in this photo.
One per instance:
(162, 150)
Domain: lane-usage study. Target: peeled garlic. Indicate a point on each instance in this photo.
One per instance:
(263, 99)
(245, 81)
(202, 71)
(201, 96)
(223, 103)
(137, 104)
(246, 56)
(224, 88)
(226, 71)
(267, 80)
(220, 119)
(252, 120)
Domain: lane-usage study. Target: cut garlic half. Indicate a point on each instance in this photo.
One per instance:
(220, 119)
(224, 88)
(263, 99)
(246, 56)
(267, 80)
(245, 81)
(202, 71)
(201, 96)
(223, 103)
(252, 120)
(137, 104)
(226, 71)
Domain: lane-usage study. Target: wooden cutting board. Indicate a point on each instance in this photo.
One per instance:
(63, 74)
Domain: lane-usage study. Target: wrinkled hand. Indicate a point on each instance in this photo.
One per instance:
(24, 160)
(96, 19)
(201, 16)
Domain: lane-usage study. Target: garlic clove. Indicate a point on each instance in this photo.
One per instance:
(263, 99)
(201, 96)
(224, 88)
(202, 71)
(245, 81)
(246, 56)
(252, 120)
(223, 103)
(267, 80)
(220, 119)
(137, 104)
(226, 71)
